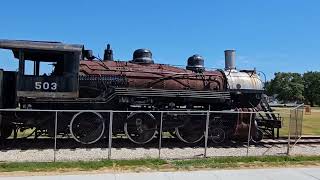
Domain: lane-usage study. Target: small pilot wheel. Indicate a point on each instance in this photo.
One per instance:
(217, 135)
(87, 127)
(140, 128)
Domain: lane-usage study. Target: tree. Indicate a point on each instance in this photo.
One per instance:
(312, 87)
(269, 90)
(287, 86)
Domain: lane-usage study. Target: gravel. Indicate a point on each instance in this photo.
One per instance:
(26, 155)
(47, 155)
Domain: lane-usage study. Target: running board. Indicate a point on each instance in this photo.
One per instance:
(172, 93)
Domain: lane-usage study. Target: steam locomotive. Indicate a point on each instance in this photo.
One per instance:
(81, 81)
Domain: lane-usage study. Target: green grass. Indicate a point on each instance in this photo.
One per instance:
(237, 162)
(310, 124)
(80, 165)
(161, 165)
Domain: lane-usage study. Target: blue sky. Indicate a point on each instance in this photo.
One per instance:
(270, 35)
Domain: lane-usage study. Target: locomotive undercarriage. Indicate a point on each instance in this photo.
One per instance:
(139, 127)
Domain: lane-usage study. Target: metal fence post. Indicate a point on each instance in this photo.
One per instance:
(301, 121)
(55, 136)
(0, 123)
(160, 134)
(206, 135)
(110, 135)
(249, 134)
(296, 119)
(289, 134)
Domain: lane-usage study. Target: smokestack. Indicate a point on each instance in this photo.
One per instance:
(108, 54)
(230, 58)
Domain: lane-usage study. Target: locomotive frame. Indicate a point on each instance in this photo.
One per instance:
(80, 81)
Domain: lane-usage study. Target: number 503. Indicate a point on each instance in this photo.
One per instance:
(45, 85)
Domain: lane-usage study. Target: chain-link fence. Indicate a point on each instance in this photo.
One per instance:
(72, 135)
(295, 126)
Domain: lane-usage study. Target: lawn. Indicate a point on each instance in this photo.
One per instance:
(310, 124)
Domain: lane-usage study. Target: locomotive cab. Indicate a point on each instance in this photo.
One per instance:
(61, 83)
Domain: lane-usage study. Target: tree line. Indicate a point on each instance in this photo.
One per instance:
(295, 87)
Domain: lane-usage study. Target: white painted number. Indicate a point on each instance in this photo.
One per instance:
(45, 86)
(37, 85)
(53, 86)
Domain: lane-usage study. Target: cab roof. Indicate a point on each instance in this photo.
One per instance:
(40, 50)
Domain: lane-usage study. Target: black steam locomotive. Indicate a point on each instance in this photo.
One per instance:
(81, 81)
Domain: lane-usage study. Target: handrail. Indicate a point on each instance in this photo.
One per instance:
(298, 106)
(127, 111)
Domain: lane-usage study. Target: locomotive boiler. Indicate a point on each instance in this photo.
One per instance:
(138, 88)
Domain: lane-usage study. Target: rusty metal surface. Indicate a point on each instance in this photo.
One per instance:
(243, 80)
(243, 123)
(156, 75)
